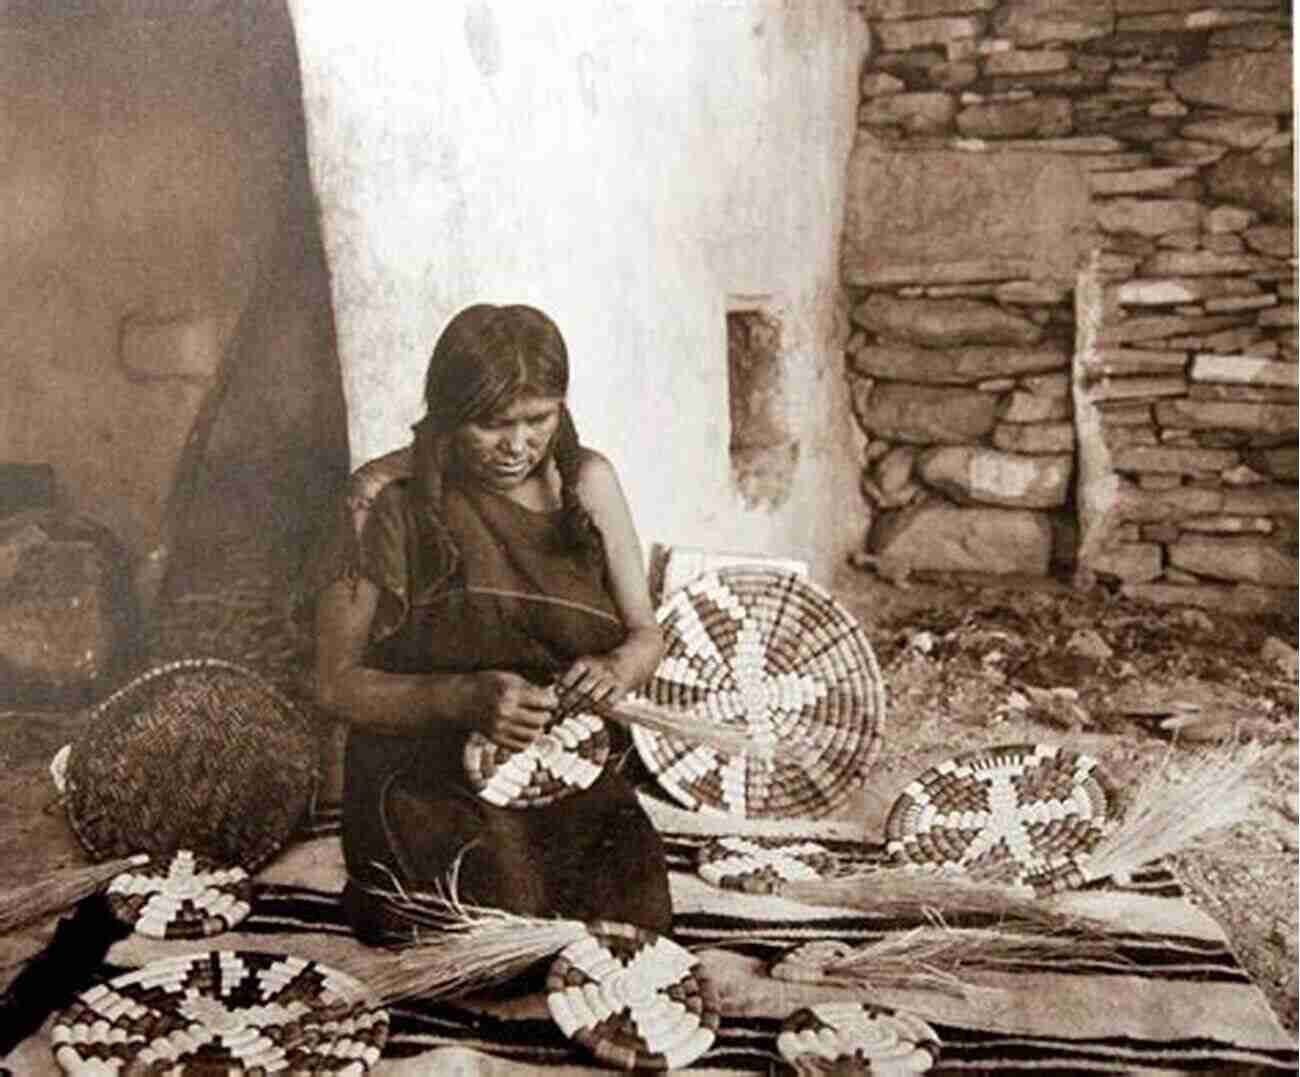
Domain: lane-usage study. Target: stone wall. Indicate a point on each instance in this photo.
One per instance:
(1070, 256)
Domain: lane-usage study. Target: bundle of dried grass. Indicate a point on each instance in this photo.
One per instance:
(695, 730)
(465, 948)
(1173, 808)
(59, 890)
(936, 957)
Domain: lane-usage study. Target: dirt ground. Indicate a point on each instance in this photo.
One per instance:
(965, 665)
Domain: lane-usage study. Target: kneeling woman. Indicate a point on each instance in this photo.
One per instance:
(502, 573)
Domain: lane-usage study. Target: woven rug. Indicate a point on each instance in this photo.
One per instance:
(1177, 1002)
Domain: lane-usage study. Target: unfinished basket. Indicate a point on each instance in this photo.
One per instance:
(222, 1011)
(633, 998)
(566, 759)
(199, 754)
(763, 865)
(856, 1038)
(1020, 814)
(774, 656)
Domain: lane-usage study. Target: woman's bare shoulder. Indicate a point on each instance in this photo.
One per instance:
(596, 475)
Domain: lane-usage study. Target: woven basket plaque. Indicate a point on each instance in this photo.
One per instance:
(853, 1037)
(632, 998)
(222, 1011)
(775, 657)
(198, 754)
(567, 758)
(762, 865)
(1023, 814)
(181, 897)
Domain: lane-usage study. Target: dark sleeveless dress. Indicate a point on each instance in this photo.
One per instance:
(519, 600)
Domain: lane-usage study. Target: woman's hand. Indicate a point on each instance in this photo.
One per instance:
(509, 709)
(593, 681)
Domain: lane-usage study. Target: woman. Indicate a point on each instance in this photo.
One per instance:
(502, 576)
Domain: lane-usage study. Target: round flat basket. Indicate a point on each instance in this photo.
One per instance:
(760, 865)
(198, 754)
(567, 758)
(632, 998)
(1024, 815)
(223, 1011)
(848, 1037)
(773, 656)
(180, 897)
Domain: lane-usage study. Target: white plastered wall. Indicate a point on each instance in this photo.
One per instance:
(636, 170)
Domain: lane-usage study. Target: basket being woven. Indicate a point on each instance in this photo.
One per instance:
(199, 754)
(772, 655)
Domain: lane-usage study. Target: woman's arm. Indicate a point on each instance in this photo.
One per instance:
(504, 706)
(607, 678)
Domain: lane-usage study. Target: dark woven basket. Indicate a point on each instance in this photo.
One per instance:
(199, 754)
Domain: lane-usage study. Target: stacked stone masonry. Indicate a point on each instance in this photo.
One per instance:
(968, 378)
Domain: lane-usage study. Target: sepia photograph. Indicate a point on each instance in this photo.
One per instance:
(733, 536)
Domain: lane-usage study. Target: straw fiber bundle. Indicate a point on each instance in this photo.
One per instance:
(200, 754)
(59, 890)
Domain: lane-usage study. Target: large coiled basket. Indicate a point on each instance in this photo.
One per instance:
(199, 754)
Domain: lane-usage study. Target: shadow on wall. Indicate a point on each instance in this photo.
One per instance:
(169, 345)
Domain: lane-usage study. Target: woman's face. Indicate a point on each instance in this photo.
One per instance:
(503, 449)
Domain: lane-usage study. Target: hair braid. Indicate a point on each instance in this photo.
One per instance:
(578, 527)
(432, 450)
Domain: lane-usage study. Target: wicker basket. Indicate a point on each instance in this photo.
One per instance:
(771, 654)
(199, 754)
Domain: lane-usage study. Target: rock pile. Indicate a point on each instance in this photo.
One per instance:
(1138, 421)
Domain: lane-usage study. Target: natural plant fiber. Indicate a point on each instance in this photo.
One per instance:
(200, 754)
(1177, 805)
(772, 656)
(58, 890)
(181, 897)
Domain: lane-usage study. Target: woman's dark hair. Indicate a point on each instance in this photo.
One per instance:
(486, 359)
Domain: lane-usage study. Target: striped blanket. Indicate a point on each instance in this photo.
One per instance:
(1177, 1000)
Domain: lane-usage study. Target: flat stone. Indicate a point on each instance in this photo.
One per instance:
(1228, 219)
(1244, 370)
(1022, 407)
(918, 113)
(1264, 181)
(1228, 525)
(1133, 562)
(1131, 388)
(1246, 82)
(926, 414)
(1283, 317)
(1032, 293)
(1222, 243)
(1080, 145)
(1242, 339)
(1275, 240)
(892, 474)
(1235, 303)
(1044, 438)
(953, 75)
(1048, 384)
(1121, 437)
(1167, 325)
(1236, 132)
(1132, 362)
(1112, 266)
(1026, 61)
(1161, 506)
(917, 33)
(1175, 461)
(1187, 239)
(984, 290)
(1034, 22)
(1147, 216)
(1209, 414)
(1165, 291)
(1141, 7)
(880, 83)
(1282, 462)
(935, 537)
(1138, 180)
(1162, 533)
(1011, 480)
(1241, 600)
(1248, 560)
(944, 322)
(1198, 263)
(1251, 35)
(1045, 116)
(1264, 394)
(1187, 151)
(953, 366)
(1269, 500)
(922, 9)
(1242, 475)
(1123, 413)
